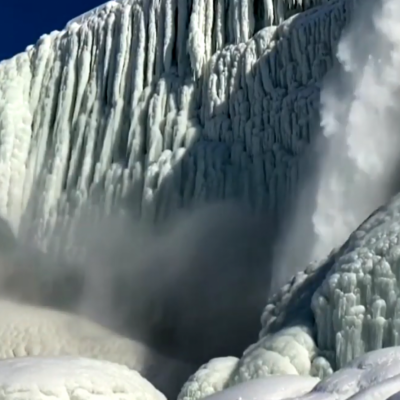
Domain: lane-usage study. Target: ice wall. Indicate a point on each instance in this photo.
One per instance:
(161, 105)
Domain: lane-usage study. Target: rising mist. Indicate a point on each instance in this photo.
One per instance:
(360, 146)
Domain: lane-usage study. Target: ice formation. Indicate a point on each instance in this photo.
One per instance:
(150, 106)
(333, 311)
(371, 377)
(129, 122)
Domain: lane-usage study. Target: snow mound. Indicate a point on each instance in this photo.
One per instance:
(270, 388)
(36, 378)
(290, 351)
(33, 331)
(374, 376)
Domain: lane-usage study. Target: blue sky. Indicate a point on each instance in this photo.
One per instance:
(22, 22)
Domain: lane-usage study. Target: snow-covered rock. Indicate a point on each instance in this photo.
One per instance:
(374, 376)
(27, 331)
(309, 328)
(70, 378)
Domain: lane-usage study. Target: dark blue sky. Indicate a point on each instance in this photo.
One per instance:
(22, 22)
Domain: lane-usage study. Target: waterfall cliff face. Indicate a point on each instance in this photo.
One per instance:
(161, 105)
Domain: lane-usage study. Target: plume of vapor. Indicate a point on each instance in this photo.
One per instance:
(183, 285)
(192, 288)
(357, 150)
(360, 146)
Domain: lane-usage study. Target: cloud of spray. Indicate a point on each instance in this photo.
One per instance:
(357, 150)
(360, 126)
(183, 285)
(192, 288)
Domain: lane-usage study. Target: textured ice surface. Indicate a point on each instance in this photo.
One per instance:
(107, 111)
(309, 329)
(357, 306)
(271, 388)
(374, 376)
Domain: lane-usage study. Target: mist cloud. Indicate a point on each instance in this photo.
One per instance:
(355, 154)
(360, 125)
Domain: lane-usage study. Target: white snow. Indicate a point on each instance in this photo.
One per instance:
(28, 331)
(70, 378)
(375, 376)
(271, 388)
(211, 378)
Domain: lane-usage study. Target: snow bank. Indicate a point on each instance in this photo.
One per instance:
(68, 378)
(374, 376)
(27, 331)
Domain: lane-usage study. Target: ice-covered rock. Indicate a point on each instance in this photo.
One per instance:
(374, 376)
